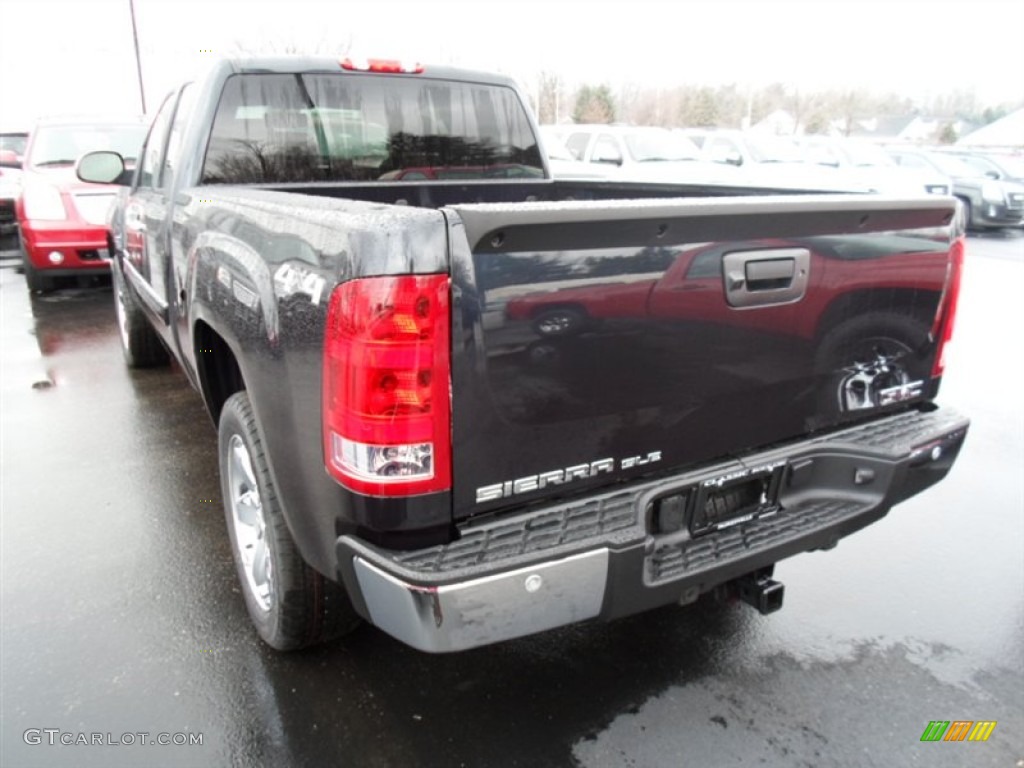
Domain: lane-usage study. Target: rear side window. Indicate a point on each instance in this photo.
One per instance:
(606, 150)
(186, 102)
(152, 155)
(577, 144)
(327, 127)
(720, 149)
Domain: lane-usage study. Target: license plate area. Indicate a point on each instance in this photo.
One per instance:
(725, 502)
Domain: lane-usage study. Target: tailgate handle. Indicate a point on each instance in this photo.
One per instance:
(766, 277)
(770, 273)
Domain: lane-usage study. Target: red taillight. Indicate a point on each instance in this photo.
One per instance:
(386, 384)
(947, 306)
(381, 65)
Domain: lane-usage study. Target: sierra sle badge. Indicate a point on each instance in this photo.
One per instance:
(543, 480)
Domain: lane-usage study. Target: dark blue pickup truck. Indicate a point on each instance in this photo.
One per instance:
(427, 418)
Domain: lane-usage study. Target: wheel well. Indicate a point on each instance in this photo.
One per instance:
(219, 374)
(905, 301)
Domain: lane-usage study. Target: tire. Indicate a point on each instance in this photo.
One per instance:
(291, 605)
(37, 280)
(559, 321)
(140, 343)
(866, 355)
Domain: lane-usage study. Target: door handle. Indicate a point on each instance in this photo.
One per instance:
(766, 277)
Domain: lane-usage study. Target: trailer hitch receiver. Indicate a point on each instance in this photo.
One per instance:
(760, 590)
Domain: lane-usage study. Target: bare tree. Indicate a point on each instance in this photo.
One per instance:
(853, 105)
(549, 97)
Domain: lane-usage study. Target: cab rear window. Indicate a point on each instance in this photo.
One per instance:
(280, 128)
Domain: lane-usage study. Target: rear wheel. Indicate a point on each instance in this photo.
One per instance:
(141, 344)
(291, 605)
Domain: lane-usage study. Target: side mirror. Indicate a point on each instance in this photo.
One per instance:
(992, 174)
(9, 159)
(101, 168)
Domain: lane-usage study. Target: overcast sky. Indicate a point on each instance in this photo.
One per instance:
(76, 56)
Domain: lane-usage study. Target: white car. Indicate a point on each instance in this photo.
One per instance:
(871, 165)
(766, 160)
(561, 161)
(640, 153)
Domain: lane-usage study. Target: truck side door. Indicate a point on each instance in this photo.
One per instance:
(145, 221)
(179, 239)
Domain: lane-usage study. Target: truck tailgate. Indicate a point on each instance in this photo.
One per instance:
(595, 342)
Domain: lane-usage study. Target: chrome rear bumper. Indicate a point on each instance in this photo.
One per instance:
(488, 609)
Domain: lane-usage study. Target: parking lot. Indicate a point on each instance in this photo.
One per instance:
(121, 615)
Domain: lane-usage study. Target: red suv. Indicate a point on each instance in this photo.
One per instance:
(63, 220)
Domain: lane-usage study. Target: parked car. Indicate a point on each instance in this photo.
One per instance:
(62, 220)
(767, 160)
(697, 135)
(398, 444)
(988, 202)
(562, 162)
(12, 151)
(10, 190)
(15, 142)
(994, 165)
(835, 270)
(564, 166)
(869, 164)
(641, 153)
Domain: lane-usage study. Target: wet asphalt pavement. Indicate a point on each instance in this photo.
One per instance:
(121, 615)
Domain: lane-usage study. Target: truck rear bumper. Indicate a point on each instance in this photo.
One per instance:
(612, 555)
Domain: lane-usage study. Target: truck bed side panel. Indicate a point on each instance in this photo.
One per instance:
(258, 268)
